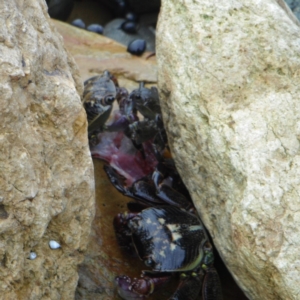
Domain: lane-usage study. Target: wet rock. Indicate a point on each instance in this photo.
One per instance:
(47, 184)
(114, 31)
(228, 81)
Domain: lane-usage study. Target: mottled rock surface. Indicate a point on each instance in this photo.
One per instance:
(229, 84)
(46, 176)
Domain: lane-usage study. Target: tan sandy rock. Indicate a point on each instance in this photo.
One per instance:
(229, 84)
(46, 181)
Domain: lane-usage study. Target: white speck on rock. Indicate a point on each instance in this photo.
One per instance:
(32, 255)
(54, 245)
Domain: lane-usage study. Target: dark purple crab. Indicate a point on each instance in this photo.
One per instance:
(98, 97)
(161, 225)
(169, 240)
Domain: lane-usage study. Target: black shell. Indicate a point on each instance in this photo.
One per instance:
(137, 47)
(98, 96)
(168, 238)
(97, 28)
(78, 23)
(129, 27)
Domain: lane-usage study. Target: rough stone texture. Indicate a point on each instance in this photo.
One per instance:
(229, 83)
(46, 175)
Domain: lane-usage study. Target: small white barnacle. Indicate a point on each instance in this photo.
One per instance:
(54, 245)
(32, 255)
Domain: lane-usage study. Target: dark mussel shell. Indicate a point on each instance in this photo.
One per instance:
(137, 47)
(95, 28)
(78, 23)
(129, 27)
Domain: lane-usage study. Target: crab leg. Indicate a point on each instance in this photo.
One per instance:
(139, 288)
(188, 288)
(123, 233)
(211, 288)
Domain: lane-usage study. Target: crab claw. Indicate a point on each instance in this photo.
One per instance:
(138, 288)
(125, 290)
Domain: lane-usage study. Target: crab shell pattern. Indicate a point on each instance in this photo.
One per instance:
(168, 239)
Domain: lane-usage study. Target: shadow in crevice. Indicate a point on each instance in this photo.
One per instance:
(3, 212)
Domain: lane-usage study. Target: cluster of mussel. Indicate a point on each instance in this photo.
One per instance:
(161, 224)
(124, 29)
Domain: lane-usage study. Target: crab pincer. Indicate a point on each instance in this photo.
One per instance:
(170, 240)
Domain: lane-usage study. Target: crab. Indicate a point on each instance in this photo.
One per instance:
(99, 94)
(168, 238)
(146, 102)
(161, 225)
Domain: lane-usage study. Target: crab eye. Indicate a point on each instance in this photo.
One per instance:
(149, 262)
(109, 100)
(137, 96)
